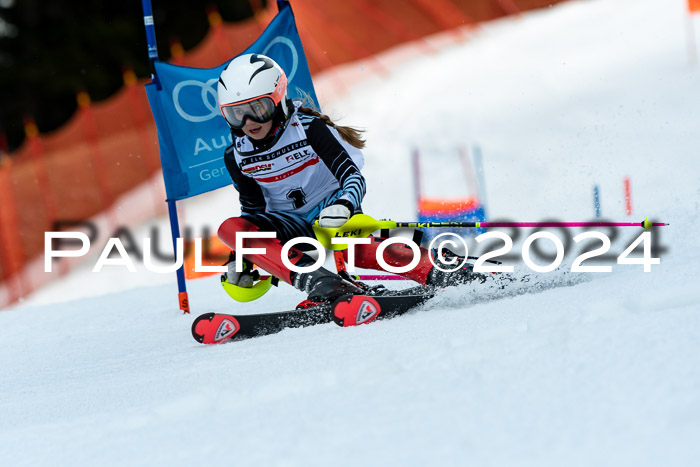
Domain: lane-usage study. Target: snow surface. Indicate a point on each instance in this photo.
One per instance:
(592, 369)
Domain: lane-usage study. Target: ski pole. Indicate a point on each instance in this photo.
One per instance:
(368, 224)
(644, 224)
(363, 277)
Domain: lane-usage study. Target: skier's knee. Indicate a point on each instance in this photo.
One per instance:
(231, 226)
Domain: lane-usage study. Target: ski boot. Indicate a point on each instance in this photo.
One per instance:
(446, 278)
(323, 286)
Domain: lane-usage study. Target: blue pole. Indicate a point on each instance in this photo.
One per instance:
(596, 200)
(150, 29)
(150, 39)
(172, 208)
(175, 233)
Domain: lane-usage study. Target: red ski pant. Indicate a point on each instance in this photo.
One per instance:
(396, 255)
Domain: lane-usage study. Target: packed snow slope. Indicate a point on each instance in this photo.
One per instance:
(589, 369)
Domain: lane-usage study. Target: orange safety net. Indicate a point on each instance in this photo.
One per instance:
(446, 206)
(694, 6)
(214, 253)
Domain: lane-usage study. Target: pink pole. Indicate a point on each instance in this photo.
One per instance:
(567, 224)
(628, 196)
(417, 225)
(381, 277)
(369, 277)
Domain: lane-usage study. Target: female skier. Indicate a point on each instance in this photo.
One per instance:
(292, 166)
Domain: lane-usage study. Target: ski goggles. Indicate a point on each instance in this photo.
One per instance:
(260, 110)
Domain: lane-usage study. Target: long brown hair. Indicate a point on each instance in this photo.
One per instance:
(352, 135)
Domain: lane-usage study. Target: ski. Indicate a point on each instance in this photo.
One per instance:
(353, 310)
(348, 310)
(216, 328)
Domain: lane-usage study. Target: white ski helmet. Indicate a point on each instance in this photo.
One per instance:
(252, 86)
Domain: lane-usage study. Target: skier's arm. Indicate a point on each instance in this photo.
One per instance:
(339, 162)
(250, 194)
